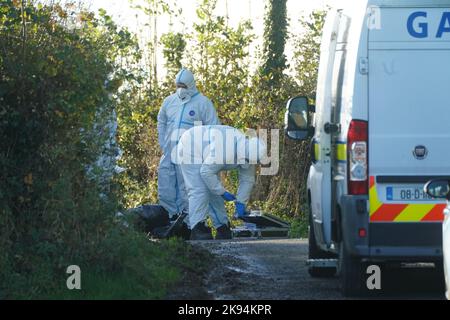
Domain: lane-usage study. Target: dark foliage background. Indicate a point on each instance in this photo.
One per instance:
(66, 74)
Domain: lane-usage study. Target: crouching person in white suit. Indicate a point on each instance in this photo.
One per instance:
(203, 153)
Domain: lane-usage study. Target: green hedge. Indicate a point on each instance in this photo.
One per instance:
(60, 74)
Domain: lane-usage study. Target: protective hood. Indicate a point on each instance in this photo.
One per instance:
(186, 77)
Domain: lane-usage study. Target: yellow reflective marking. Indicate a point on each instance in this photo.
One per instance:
(342, 152)
(414, 213)
(317, 151)
(375, 203)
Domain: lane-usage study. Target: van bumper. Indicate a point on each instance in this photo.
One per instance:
(403, 242)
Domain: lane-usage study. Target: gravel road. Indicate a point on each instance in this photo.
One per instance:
(276, 269)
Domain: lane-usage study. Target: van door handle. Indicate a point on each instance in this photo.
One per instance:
(331, 128)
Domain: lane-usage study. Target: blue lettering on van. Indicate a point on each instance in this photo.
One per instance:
(423, 26)
(420, 30)
(444, 26)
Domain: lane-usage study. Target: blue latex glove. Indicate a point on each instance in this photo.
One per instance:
(229, 197)
(240, 210)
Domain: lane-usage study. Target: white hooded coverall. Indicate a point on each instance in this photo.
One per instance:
(206, 151)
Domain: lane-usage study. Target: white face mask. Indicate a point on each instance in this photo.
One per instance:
(183, 93)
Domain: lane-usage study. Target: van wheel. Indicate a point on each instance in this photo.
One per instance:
(351, 273)
(314, 253)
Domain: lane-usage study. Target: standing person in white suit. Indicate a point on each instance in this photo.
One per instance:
(179, 112)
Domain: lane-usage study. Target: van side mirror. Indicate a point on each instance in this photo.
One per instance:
(298, 120)
(438, 189)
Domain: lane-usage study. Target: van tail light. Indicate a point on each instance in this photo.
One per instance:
(358, 158)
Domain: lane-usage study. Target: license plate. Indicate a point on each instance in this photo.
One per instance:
(413, 193)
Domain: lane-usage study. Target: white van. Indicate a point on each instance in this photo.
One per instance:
(380, 131)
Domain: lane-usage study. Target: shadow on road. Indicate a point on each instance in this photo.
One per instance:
(412, 283)
(276, 270)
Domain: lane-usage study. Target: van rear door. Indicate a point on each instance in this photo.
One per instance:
(321, 170)
(409, 112)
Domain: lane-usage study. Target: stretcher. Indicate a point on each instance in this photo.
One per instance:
(259, 224)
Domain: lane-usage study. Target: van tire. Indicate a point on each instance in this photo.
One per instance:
(314, 252)
(350, 273)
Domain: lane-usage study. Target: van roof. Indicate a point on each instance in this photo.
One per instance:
(410, 3)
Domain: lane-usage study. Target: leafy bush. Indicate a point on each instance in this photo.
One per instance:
(61, 74)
